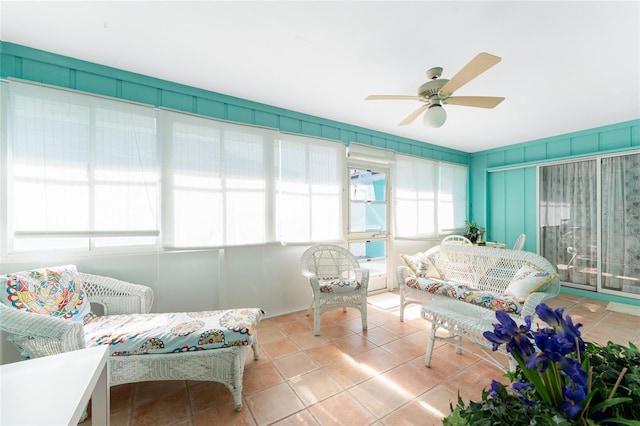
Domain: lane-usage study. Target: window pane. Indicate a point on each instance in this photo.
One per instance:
(308, 187)
(78, 163)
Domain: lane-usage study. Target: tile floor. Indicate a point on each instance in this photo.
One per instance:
(345, 376)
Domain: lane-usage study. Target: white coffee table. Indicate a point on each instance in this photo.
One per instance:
(55, 390)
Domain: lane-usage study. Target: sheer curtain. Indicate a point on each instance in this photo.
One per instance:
(621, 223)
(568, 221)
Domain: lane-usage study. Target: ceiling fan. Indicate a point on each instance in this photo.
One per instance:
(438, 91)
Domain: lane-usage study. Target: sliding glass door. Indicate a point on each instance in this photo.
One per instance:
(621, 224)
(589, 216)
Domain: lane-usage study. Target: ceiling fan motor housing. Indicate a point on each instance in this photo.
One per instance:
(431, 88)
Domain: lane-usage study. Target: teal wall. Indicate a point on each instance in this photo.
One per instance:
(505, 200)
(34, 65)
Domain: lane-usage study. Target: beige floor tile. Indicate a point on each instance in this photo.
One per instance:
(260, 377)
(301, 418)
(274, 404)
(295, 365)
(165, 410)
(314, 387)
(326, 354)
(279, 348)
(380, 396)
(340, 410)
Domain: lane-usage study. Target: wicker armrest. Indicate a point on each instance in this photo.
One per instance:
(117, 297)
(402, 272)
(535, 298)
(40, 335)
(364, 282)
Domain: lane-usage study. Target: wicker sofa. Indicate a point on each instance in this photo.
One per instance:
(207, 346)
(460, 288)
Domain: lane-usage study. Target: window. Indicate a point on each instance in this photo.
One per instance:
(308, 189)
(82, 172)
(430, 198)
(216, 182)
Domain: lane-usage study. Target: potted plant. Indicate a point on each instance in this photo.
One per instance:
(559, 378)
(471, 229)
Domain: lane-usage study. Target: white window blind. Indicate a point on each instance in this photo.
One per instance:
(217, 175)
(452, 195)
(308, 189)
(82, 171)
(430, 196)
(415, 196)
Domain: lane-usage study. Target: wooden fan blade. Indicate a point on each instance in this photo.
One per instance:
(397, 97)
(478, 65)
(414, 115)
(474, 101)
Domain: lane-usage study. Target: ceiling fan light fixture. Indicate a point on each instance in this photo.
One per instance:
(435, 116)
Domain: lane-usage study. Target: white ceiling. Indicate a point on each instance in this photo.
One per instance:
(565, 66)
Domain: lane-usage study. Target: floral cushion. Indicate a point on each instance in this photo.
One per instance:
(139, 334)
(527, 280)
(55, 291)
(493, 301)
(338, 285)
(466, 294)
(420, 265)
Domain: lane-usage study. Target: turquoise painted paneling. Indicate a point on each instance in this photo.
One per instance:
(514, 156)
(392, 145)
(87, 82)
(495, 159)
(514, 205)
(311, 129)
(496, 207)
(584, 144)
(8, 65)
(635, 135)
(559, 148)
(347, 136)
(330, 132)
(477, 175)
(177, 101)
(530, 209)
(535, 152)
(290, 125)
(615, 139)
(240, 114)
(379, 142)
(139, 93)
(362, 138)
(211, 108)
(44, 73)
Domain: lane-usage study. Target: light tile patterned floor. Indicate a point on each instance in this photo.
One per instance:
(345, 376)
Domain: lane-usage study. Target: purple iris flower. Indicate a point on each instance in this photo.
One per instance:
(493, 390)
(507, 331)
(563, 327)
(573, 396)
(572, 368)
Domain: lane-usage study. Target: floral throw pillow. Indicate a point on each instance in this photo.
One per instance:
(420, 265)
(55, 291)
(527, 280)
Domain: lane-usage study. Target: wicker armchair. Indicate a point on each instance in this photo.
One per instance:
(37, 335)
(458, 240)
(519, 244)
(337, 281)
